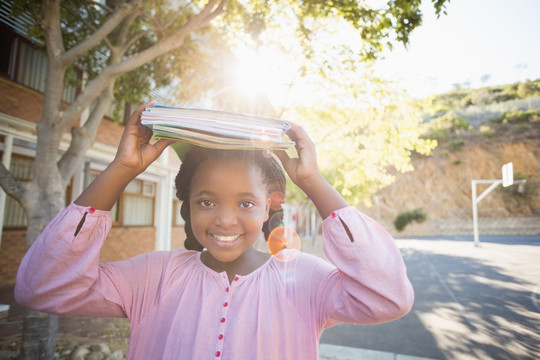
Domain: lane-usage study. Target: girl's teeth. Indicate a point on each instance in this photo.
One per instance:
(226, 238)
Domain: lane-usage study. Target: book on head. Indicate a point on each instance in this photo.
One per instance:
(216, 129)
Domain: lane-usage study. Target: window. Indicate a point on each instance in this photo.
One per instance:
(27, 65)
(32, 71)
(7, 41)
(14, 216)
(136, 204)
(177, 219)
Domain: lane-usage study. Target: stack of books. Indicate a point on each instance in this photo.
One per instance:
(216, 129)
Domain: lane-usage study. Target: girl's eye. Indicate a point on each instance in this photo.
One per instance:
(246, 204)
(206, 203)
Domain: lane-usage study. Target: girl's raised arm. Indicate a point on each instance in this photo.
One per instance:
(304, 172)
(135, 153)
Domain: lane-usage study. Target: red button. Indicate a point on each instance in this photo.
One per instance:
(333, 214)
(225, 304)
(91, 209)
(236, 278)
(218, 353)
(220, 337)
(227, 289)
(222, 320)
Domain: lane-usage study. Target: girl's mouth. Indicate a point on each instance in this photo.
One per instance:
(225, 241)
(222, 238)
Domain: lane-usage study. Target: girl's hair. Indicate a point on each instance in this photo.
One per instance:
(273, 178)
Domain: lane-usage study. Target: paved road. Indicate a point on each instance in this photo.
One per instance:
(471, 303)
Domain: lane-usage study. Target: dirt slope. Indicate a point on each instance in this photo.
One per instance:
(441, 184)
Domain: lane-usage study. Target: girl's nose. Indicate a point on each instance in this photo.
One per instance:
(226, 217)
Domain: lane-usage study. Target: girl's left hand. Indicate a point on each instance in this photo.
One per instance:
(303, 169)
(304, 172)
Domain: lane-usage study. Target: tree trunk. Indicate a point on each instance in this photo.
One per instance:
(39, 335)
(40, 329)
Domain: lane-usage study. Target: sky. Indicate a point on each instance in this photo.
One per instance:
(495, 39)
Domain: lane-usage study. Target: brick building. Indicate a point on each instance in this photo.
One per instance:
(146, 217)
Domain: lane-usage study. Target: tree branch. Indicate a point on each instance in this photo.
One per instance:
(132, 41)
(109, 73)
(75, 52)
(83, 137)
(99, 4)
(50, 23)
(213, 9)
(121, 36)
(11, 185)
(87, 24)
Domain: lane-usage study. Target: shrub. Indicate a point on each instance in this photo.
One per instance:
(516, 117)
(437, 134)
(404, 218)
(522, 189)
(486, 130)
(522, 128)
(446, 124)
(456, 144)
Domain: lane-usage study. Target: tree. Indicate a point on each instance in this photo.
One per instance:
(116, 41)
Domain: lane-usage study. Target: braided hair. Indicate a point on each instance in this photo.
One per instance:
(272, 173)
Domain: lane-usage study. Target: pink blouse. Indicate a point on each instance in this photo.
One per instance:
(180, 309)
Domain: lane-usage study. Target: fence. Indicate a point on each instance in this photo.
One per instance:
(479, 114)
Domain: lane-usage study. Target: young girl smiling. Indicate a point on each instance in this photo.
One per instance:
(226, 300)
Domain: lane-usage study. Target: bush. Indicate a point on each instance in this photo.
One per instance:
(441, 127)
(487, 131)
(516, 117)
(456, 144)
(522, 128)
(403, 219)
(521, 190)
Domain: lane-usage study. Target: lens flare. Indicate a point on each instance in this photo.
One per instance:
(283, 237)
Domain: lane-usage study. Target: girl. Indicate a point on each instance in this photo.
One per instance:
(228, 301)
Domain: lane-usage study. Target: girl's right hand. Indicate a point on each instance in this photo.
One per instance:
(135, 153)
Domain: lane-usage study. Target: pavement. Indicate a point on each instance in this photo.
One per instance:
(471, 303)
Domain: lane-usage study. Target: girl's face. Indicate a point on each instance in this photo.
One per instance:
(229, 204)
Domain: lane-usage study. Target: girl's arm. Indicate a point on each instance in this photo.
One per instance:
(370, 284)
(61, 273)
(134, 155)
(304, 172)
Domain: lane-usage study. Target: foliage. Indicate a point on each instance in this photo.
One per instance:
(517, 117)
(456, 144)
(487, 130)
(360, 147)
(457, 99)
(404, 218)
(442, 126)
(528, 88)
(520, 189)
(81, 20)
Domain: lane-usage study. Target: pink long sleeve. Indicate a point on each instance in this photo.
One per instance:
(371, 271)
(60, 272)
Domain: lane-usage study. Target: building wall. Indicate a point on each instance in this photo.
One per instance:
(11, 253)
(20, 101)
(121, 243)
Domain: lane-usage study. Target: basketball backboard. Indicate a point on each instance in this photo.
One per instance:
(507, 174)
